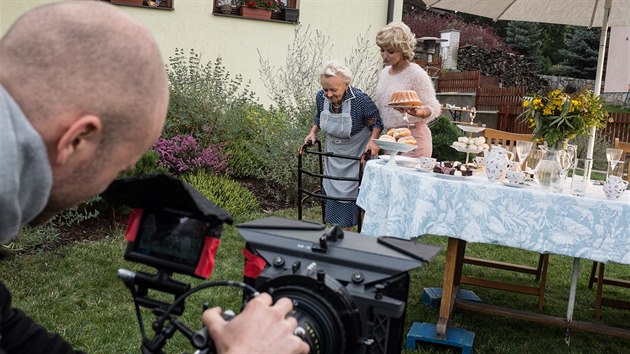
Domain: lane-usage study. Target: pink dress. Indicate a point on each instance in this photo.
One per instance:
(413, 77)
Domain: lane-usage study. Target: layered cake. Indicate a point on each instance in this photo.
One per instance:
(405, 98)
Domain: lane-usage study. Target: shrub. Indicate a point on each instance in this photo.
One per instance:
(149, 163)
(427, 23)
(34, 238)
(599, 149)
(293, 86)
(78, 214)
(183, 154)
(44, 236)
(444, 133)
(224, 192)
(200, 95)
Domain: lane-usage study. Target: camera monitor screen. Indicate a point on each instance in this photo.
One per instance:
(169, 241)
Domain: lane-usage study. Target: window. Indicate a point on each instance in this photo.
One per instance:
(149, 4)
(232, 8)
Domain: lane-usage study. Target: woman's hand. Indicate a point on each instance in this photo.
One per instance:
(374, 149)
(311, 137)
(420, 112)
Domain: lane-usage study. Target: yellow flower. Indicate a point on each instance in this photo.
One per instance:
(557, 115)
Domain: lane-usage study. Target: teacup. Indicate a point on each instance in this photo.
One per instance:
(614, 187)
(515, 177)
(479, 161)
(427, 163)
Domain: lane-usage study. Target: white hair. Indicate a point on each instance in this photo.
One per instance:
(334, 68)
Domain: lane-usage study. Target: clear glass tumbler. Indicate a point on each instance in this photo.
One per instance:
(580, 179)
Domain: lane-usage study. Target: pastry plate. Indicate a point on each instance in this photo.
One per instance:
(466, 150)
(401, 161)
(420, 169)
(515, 185)
(471, 128)
(394, 146)
(445, 176)
(391, 105)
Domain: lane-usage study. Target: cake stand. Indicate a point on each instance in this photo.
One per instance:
(469, 129)
(394, 148)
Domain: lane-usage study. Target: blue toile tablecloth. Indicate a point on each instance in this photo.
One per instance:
(406, 203)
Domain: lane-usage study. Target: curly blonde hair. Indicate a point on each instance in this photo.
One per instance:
(397, 35)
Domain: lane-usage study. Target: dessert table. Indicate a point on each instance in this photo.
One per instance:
(407, 203)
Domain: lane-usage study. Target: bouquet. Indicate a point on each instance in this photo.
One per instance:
(558, 116)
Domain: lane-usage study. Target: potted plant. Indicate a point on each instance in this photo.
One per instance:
(225, 6)
(260, 8)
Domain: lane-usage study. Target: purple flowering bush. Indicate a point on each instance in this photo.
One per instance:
(183, 154)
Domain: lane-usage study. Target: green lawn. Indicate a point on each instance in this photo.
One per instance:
(74, 291)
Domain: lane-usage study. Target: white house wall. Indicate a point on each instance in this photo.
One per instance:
(618, 64)
(236, 40)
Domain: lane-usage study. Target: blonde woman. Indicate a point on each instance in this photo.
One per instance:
(400, 73)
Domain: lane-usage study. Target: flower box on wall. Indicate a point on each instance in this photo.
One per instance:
(254, 12)
(291, 15)
(127, 2)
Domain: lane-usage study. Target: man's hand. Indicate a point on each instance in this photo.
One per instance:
(262, 327)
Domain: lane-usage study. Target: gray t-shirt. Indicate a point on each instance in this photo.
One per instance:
(25, 174)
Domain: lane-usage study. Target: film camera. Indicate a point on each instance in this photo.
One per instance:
(349, 291)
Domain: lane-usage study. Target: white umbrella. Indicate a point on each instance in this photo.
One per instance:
(590, 13)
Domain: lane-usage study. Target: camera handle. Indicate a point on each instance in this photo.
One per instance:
(167, 323)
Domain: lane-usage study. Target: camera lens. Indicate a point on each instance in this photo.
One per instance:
(325, 310)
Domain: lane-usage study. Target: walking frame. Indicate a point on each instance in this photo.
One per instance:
(304, 194)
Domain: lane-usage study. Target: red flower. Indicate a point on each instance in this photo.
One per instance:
(275, 5)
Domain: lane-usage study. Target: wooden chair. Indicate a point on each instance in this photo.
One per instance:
(598, 276)
(508, 141)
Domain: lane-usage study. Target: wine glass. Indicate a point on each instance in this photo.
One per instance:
(613, 156)
(523, 149)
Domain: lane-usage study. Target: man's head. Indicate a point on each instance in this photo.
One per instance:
(91, 81)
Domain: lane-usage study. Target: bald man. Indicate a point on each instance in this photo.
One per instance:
(74, 112)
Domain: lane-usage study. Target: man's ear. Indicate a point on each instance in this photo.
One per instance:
(84, 133)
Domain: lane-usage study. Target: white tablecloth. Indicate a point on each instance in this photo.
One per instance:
(406, 203)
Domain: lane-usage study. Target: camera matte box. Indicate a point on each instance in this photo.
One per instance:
(363, 281)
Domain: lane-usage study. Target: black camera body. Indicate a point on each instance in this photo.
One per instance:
(349, 291)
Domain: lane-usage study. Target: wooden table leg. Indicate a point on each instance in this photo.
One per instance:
(450, 287)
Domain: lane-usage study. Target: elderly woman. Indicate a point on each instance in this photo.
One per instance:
(397, 43)
(350, 120)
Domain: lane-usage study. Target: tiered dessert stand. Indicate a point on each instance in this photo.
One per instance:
(469, 129)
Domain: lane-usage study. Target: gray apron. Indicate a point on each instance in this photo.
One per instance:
(337, 127)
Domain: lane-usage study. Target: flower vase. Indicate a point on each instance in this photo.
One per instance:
(255, 12)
